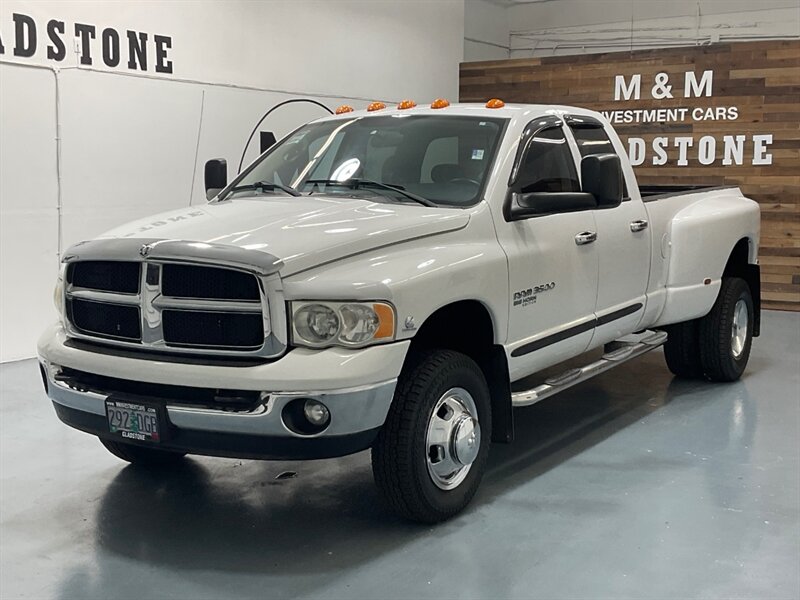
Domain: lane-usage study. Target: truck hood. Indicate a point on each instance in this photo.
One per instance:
(304, 232)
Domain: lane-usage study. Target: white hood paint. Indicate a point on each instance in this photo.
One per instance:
(304, 232)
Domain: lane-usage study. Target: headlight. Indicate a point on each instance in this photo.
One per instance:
(323, 324)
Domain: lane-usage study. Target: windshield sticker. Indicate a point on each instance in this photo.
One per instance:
(477, 154)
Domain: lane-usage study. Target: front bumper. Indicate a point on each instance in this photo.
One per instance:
(258, 431)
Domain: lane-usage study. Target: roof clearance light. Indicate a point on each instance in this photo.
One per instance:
(406, 104)
(440, 103)
(344, 109)
(495, 103)
(376, 106)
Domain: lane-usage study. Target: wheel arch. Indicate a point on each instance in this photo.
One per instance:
(467, 326)
(742, 263)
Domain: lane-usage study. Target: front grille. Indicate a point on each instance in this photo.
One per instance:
(201, 328)
(105, 320)
(172, 307)
(105, 275)
(189, 281)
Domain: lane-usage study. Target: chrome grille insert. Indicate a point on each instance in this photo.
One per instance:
(189, 297)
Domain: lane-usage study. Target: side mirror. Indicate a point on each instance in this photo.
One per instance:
(601, 176)
(536, 204)
(216, 176)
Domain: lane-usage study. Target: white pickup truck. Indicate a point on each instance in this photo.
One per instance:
(394, 279)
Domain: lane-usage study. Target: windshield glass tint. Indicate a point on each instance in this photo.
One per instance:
(444, 159)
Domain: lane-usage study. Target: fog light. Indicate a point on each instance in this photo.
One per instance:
(316, 413)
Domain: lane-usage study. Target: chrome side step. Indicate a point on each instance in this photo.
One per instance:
(649, 340)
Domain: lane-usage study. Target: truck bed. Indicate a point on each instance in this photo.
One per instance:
(651, 193)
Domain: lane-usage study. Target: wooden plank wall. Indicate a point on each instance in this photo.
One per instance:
(760, 79)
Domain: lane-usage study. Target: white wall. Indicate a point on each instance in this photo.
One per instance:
(559, 27)
(486, 31)
(134, 143)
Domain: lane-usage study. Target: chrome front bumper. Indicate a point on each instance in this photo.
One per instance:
(259, 432)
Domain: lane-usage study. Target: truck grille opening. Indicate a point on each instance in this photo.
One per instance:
(105, 275)
(189, 281)
(171, 394)
(220, 329)
(170, 307)
(105, 320)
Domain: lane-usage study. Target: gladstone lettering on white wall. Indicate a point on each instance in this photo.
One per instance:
(735, 149)
(134, 50)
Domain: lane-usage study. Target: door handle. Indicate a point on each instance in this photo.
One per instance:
(639, 225)
(585, 237)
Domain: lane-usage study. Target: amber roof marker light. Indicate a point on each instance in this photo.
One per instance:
(376, 106)
(344, 108)
(440, 103)
(405, 104)
(495, 103)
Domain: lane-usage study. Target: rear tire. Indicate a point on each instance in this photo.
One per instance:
(726, 333)
(682, 349)
(139, 455)
(430, 454)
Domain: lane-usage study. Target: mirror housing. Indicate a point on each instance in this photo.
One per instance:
(537, 204)
(601, 176)
(216, 176)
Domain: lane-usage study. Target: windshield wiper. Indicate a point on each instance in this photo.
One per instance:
(363, 183)
(266, 186)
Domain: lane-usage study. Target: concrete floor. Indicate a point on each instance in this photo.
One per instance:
(633, 485)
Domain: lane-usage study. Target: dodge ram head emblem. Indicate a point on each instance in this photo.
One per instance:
(145, 249)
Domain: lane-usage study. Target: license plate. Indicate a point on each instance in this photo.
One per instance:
(133, 421)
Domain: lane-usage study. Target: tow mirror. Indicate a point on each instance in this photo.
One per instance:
(537, 204)
(216, 176)
(601, 176)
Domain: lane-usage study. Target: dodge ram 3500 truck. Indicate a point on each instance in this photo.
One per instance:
(394, 279)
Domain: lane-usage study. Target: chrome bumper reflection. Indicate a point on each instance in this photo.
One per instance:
(352, 410)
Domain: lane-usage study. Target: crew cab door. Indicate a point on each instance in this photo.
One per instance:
(623, 243)
(553, 264)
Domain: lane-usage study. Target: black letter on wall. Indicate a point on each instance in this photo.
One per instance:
(163, 42)
(85, 32)
(137, 50)
(110, 47)
(2, 48)
(57, 51)
(21, 24)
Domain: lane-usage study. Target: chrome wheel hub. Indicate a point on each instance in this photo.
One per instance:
(453, 439)
(739, 328)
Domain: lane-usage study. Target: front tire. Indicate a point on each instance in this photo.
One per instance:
(139, 455)
(682, 349)
(726, 333)
(429, 457)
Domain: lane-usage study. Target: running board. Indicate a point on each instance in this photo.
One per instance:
(624, 352)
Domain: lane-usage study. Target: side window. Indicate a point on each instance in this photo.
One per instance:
(595, 140)
(592, 140)
(547, 165)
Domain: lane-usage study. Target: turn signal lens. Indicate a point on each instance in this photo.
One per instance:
(495, 103)
(385, 319)
(406, 104)
(344, 109)
(440, 103)
(376, 106)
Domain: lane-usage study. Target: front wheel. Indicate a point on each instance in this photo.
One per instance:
(726, 333)
(430, 455)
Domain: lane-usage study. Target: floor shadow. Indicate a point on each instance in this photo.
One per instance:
(236, 516)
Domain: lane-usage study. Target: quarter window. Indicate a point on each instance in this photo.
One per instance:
(547, 165)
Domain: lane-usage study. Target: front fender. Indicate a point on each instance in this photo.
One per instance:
(418, 277)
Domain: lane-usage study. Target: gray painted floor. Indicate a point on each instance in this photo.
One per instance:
(633, 485)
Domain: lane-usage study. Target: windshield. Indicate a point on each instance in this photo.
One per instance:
(439, 159)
